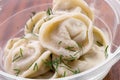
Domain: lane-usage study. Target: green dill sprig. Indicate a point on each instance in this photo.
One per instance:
(30, 65)
(49, 11)
(58, 61)
(49, 64)
(17, 71)
(76, 71)
(99, 43)
(73, 71)
(18, 56)
(35, 68)
(70, 48)
(54, 63)
(106, 51)
(21, 52)
(72, 58)
(64, 75)
(80, 45)
(59, 42)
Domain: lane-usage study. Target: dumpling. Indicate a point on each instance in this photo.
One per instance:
(35, 22)
(70, 66)
(31, 23)
(73, 6)
(68, 34)
(25, 57)
(9, 46)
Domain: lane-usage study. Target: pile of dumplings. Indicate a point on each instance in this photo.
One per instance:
(58, 42)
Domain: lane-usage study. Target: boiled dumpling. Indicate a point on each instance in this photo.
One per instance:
(67, 35)
(31, 23)
(72, 6)
(25, 57)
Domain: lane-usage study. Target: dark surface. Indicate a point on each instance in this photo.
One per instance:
(13, 6)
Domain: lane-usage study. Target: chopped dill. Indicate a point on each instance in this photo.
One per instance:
(73, 71)
(21, 52)
(49, 64)
(17, 71)
(99, 43)
(76, 71)
(106, 53)
(59, 42)
(35, 68)
(18, 56)
(64, 75)
(49, 11)
(70, 48)
(80, 45)
(72, 58)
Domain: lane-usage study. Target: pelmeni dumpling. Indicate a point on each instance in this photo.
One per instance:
(67, 35)
(73, 6)
(25, 57)
(34, 24)
(33, 20)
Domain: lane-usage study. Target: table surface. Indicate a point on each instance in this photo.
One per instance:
(18, 5)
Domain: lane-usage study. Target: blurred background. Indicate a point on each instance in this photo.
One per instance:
(10, 7)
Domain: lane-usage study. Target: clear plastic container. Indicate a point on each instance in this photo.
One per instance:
(107, 18)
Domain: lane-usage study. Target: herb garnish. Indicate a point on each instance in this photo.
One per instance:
(21, 52)
(49, 11)
(80, 45)
(76, 71)
(30, 65)
(54, 63)
(73, 71)
(59, 60)
(35, 68)
(72, 58)
(106, 53)
(64, 74)
(99, 43)
(59, 42)
(17, 56)
(17, 71)
(49, 64)
(70, 48)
